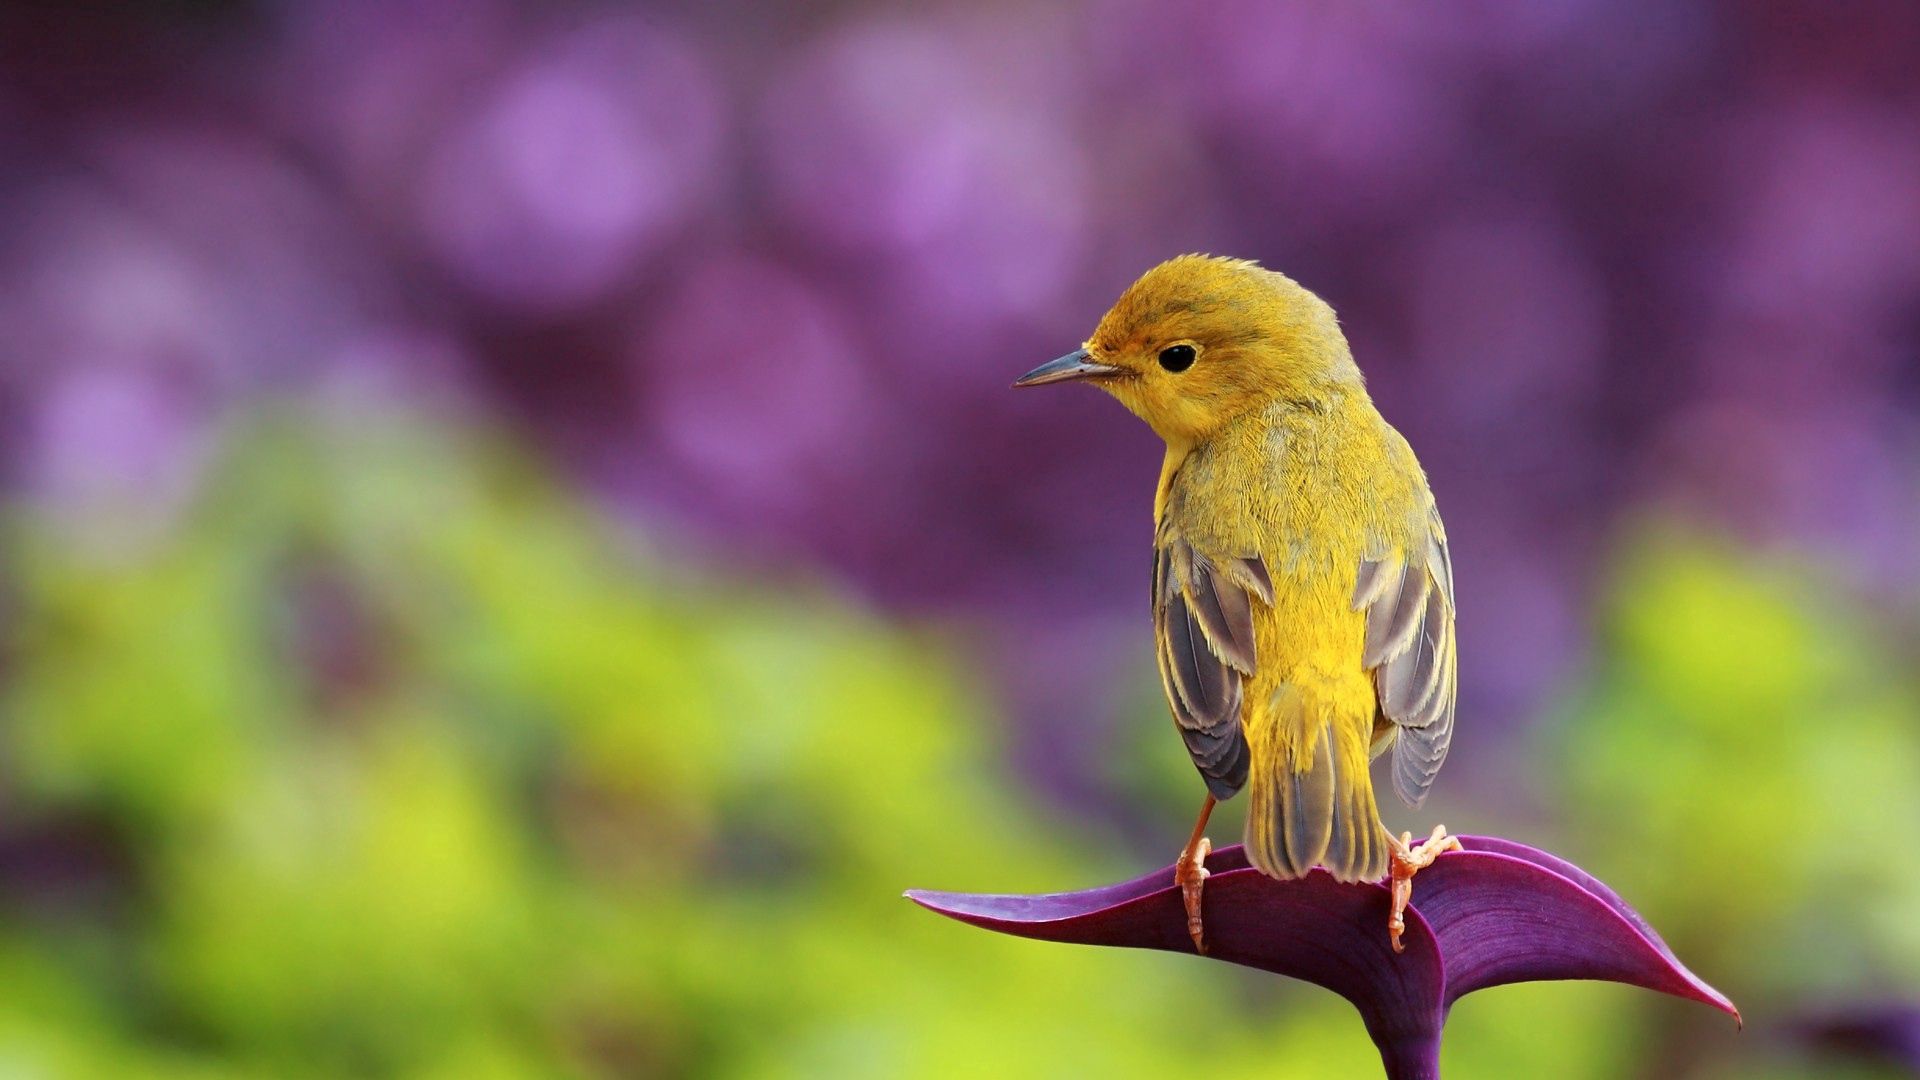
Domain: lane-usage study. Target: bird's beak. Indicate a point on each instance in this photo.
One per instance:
(1075, 365)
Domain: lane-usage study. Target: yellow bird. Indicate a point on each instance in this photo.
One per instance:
(1302, 589)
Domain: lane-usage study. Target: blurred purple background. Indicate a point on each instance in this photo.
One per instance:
(759, 275)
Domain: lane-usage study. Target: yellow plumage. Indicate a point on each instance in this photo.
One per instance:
(1303, 593)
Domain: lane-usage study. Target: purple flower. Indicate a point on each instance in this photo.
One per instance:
(907, 144)
(574, 166)
(1888, 1032)
(1495, 913)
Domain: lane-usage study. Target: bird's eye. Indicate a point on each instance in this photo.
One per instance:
(1177, 357)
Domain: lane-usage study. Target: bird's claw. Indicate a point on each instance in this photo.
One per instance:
(1190, 873)
(1408, 860)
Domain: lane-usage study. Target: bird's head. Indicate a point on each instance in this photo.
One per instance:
(1200, 340)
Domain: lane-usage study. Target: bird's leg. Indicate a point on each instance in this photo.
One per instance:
(1409, 860)
(1190, 873)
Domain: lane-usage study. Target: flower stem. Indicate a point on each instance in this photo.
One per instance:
(1411, 1057)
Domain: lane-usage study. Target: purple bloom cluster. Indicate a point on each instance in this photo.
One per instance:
(761, 275)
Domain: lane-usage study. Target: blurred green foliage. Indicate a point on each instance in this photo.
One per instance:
(1745, 766)
(393, 759)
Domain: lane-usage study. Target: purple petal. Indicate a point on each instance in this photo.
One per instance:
(1565, 869)
(1507, 913)
(1498, 911)
(1314, 929)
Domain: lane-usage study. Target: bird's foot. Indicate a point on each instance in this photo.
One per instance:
(1408, 860)
(1190, 873)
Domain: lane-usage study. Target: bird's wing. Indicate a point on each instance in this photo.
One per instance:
(1203, 630)
(1408, 600)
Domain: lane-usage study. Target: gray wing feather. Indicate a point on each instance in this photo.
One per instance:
(1410, 650)
(1225, 613)
(1204, 621)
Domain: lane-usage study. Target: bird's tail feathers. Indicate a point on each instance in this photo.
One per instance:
(1311, 797)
